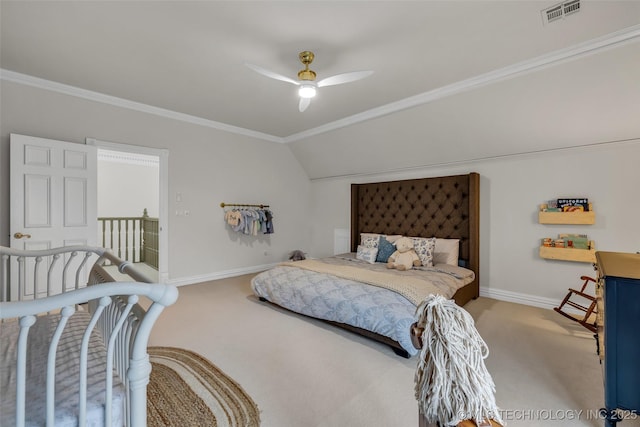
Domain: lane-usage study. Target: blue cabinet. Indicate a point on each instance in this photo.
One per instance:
(619, 332)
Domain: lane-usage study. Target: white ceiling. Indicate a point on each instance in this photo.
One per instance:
(188, 57)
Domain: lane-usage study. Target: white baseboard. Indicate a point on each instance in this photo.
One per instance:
(183, 281)
(519, 298)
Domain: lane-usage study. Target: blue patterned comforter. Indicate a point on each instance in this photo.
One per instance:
(328, 297)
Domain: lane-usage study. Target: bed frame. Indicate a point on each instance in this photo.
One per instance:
(123, 325)
(445, 207)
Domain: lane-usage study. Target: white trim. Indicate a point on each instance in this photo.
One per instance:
(615, 39)
(12, 76)
(590, 47)
(163, 195)
(386, 174)
(127, 148)
(519, 298)
(128, 158)
(526, 299)
(220, 275)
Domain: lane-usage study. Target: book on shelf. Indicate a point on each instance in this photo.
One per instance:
(576, 241)
(573, 204)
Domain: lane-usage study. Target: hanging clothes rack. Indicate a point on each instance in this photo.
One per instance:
(248, 218)
(223, 204)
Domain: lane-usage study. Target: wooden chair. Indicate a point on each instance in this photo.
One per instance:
(582, 301)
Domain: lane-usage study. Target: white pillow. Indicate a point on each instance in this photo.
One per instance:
(447, 251)
(424, 248)
(393, 238)
(369, 240)
(367, 254)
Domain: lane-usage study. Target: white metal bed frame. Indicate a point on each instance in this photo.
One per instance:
(114, 311)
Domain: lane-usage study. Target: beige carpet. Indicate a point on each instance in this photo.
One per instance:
(302, 372)
(187, 390)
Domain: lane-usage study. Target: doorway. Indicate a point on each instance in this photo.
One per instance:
(132, 191)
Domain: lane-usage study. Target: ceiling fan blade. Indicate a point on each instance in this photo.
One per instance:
(344, 78)
(270, 74)
(304, 103)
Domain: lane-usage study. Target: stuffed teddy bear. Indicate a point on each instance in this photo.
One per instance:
(405, 257)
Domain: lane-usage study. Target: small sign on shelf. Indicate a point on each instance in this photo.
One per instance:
(573, 205)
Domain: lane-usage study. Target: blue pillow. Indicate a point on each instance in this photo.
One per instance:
(385, 249)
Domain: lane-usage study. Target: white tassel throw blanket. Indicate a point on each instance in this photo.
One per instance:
(452, 382)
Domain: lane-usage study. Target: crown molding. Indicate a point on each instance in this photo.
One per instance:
(27, 80)
(402, 172)
(581, 50)
(609, 41)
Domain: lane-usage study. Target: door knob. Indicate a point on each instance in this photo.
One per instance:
(19, 235)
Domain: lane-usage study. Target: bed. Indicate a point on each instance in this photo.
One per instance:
(74, 341)
(445, 208)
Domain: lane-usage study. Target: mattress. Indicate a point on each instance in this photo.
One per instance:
(67, 374)
(374, 308)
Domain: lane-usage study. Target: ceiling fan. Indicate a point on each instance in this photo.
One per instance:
(307, 78)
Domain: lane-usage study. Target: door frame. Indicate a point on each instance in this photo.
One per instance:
(163, 195)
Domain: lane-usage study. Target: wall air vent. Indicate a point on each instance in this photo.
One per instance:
(559, 11)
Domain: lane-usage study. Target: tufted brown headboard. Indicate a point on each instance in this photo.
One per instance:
(445, 207)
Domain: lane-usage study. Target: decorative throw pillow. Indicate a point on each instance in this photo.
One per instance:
(369, 240)
(385, 249)
(393, 237)
(446, 251)
(424, 248)
(367, 254)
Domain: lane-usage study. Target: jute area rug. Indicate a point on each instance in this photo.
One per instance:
(186, 389)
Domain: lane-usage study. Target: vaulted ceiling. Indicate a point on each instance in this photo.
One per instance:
(439, 66)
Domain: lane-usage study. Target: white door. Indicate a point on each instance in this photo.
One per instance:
(53, 196)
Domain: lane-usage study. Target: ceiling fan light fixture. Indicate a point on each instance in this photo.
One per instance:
(307, 91)
(307, 78)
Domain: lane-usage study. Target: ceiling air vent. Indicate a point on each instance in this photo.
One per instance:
(570, 7)
(559, 11)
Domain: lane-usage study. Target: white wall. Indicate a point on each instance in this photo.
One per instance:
(511, 188)
(142, 184)
(586, 101)
(206, 166)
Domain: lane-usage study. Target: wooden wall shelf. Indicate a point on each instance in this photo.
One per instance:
(567, 217)
(570, 218)
(588, 217)
(570, 254)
